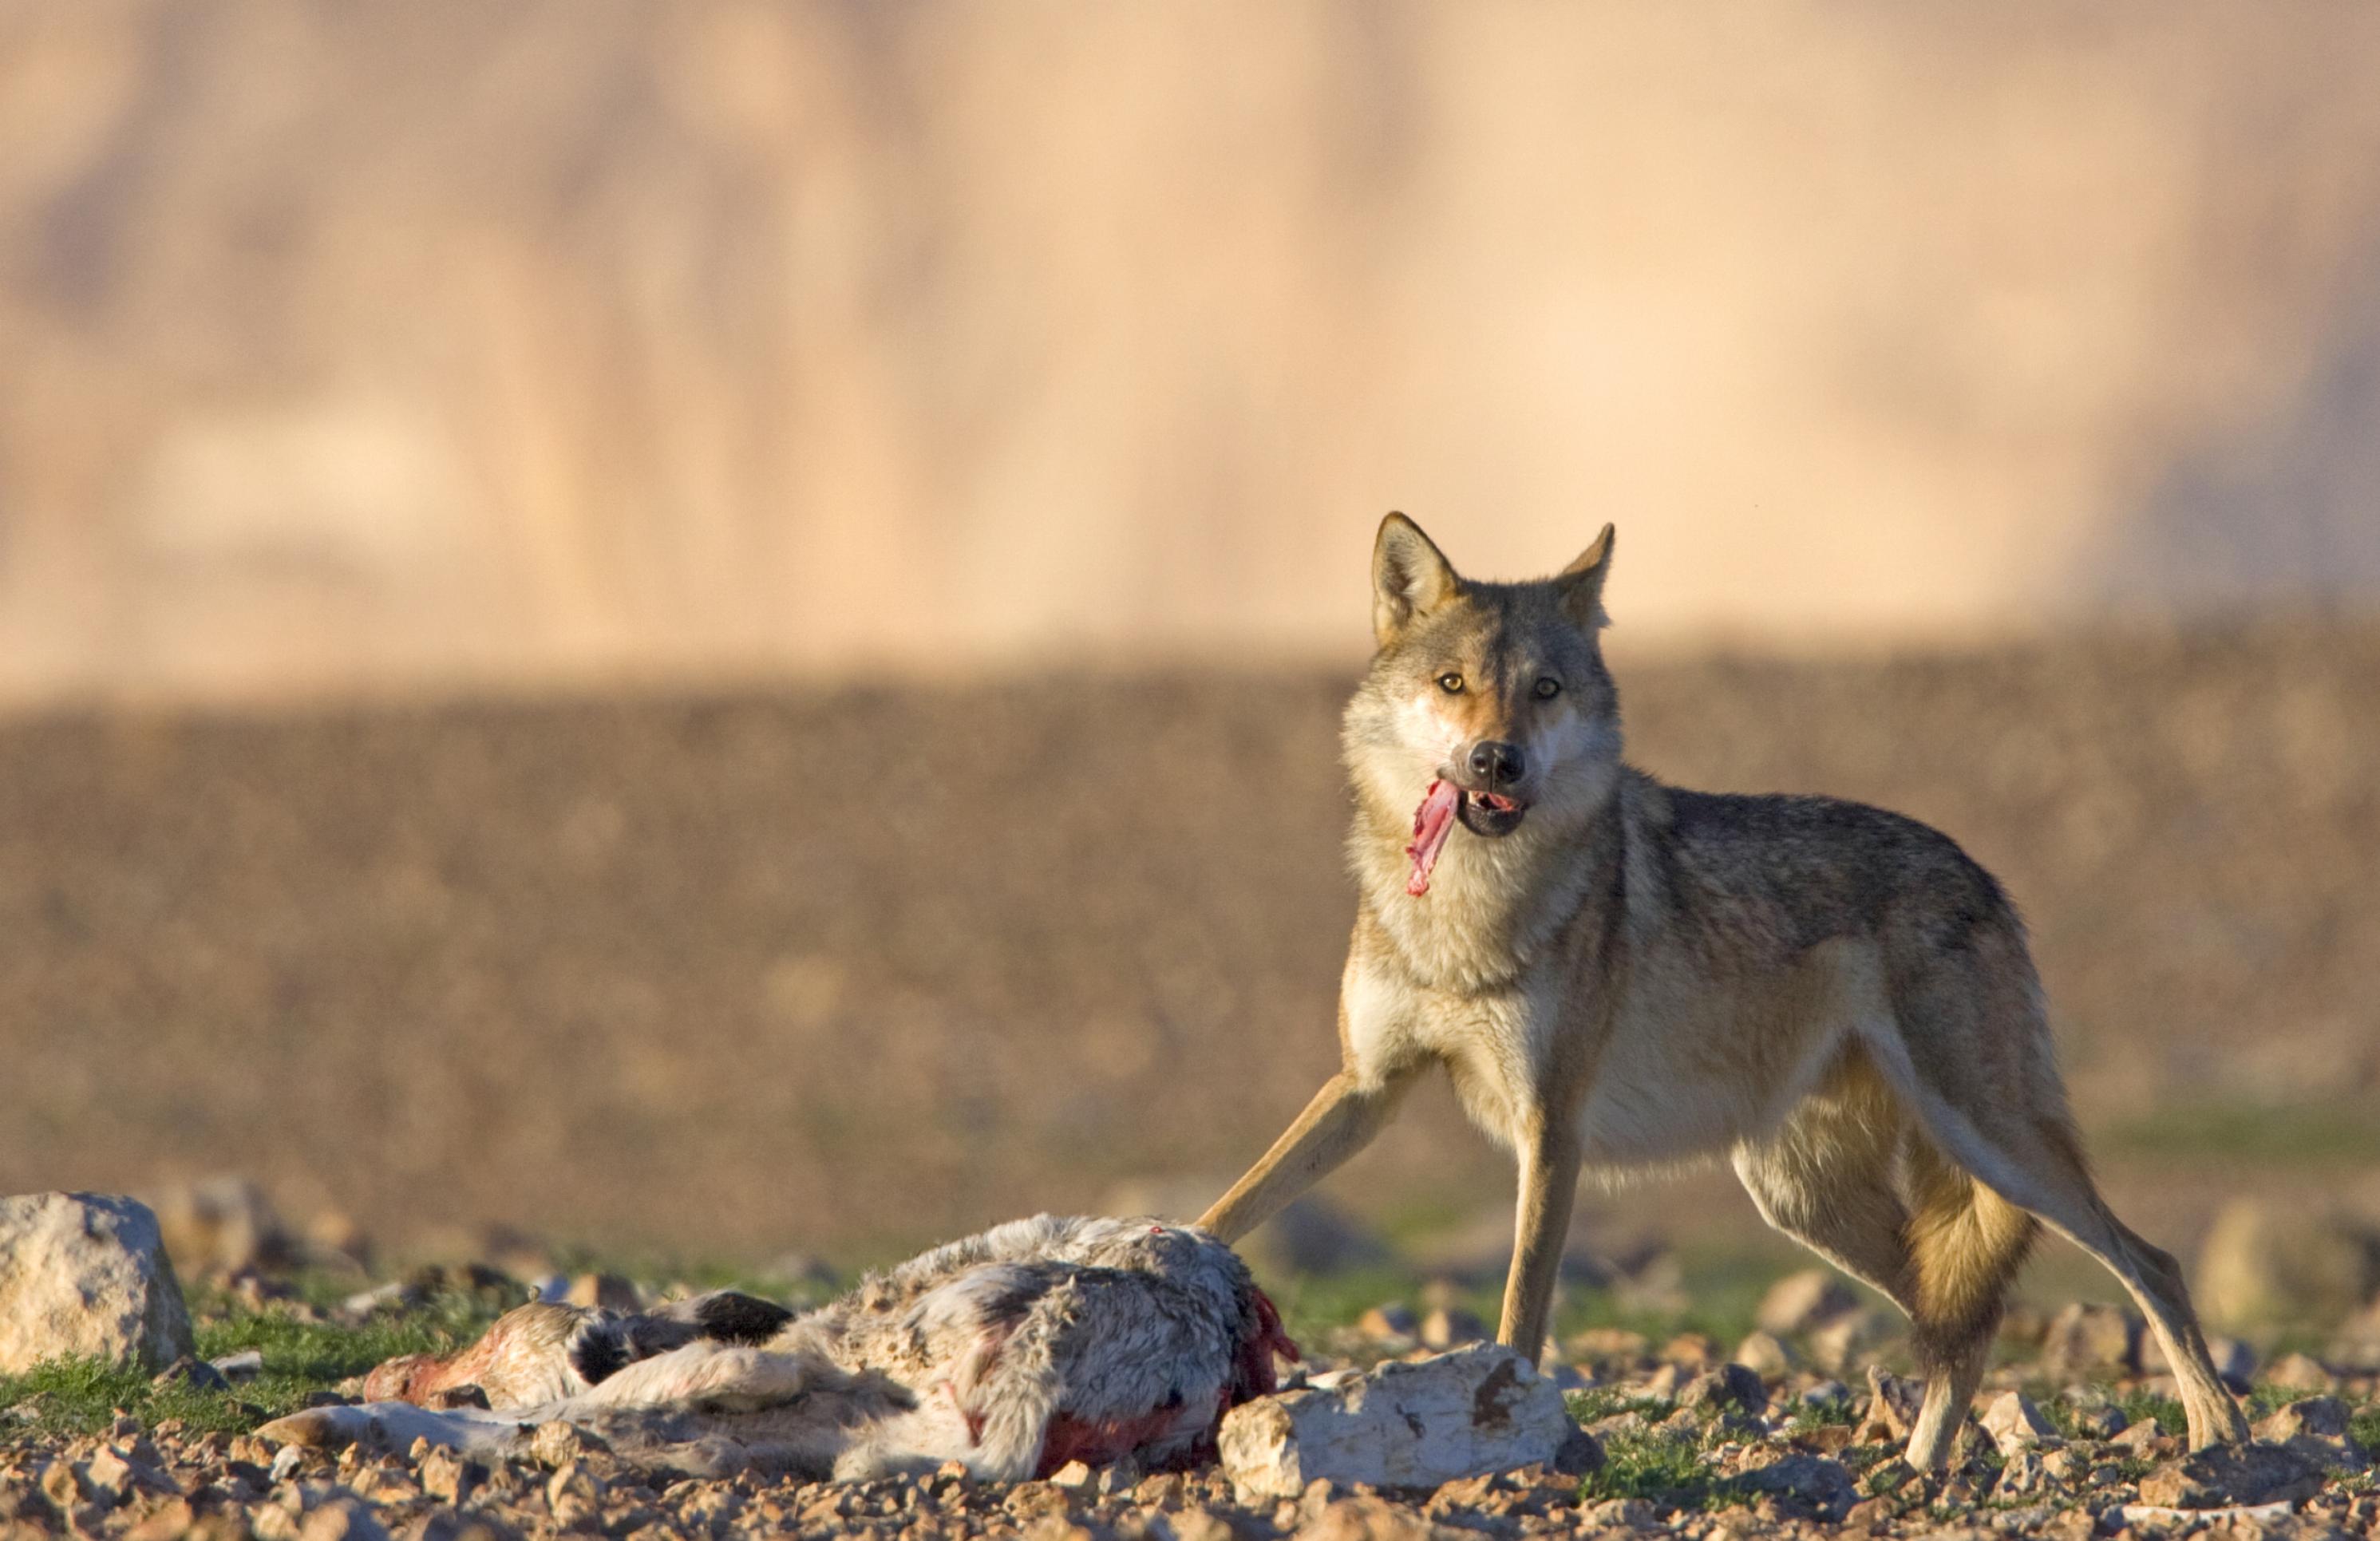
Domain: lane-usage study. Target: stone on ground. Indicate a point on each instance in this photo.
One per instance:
(2327, 1416)
(343, 1520)
(1406, 1425)
(1892, 1404)
(2085, 1341)
(2265, 1263)
(2014, 1422)
(2227, 1475)
(1840, 1344)
(86, 1276)
(1823, 1485)
(2300, 1372)
(2356, 1342)
(1370, 1519)
(222, 1225)
(1766, 1354)
(1450, 1326)
(1804, 1301)
(2023, 1476)
(1729, 1387)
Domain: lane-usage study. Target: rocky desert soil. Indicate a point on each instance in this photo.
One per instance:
(860, 969)
(2073, 1437)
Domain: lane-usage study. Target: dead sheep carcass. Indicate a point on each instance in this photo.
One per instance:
(1013, 1351)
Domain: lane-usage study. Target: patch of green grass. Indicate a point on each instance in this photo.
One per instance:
(1599, 1402)
(1661, 1466)
(1313, 1303)
(2364, 1426)
(1720, 1289)
(69, 1397)
(2065, 1420)
(2137, 1404)
(1808, 1416)
(1859, 1458)
(80, 1396)
(2305, 1134)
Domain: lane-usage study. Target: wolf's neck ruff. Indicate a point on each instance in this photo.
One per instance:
(1493, 907)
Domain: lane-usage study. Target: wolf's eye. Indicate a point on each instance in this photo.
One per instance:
(1451, 682)
(1549, 687)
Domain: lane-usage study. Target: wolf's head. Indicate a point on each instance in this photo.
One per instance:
(1497, 690)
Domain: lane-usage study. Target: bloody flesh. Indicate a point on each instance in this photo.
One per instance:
(1433, 821)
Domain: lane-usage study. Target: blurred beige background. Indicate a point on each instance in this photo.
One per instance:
(720, 626)
(388, 345)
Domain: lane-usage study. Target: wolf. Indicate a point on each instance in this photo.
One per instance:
(1622, 975)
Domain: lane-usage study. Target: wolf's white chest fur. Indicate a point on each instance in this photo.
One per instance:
(1496, 1045)
(1681, 1067)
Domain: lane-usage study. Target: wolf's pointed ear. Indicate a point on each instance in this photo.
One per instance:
(1581, 584)
(1410, 577)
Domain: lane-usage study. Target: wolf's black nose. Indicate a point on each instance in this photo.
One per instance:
(1495, 762)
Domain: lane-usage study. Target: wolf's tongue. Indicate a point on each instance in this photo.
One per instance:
(1433, 821)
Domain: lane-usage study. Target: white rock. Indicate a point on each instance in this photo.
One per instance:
(2016, 1423)
(241, 1367)
(86, 1276)
(1412, 1424)
(1764, 1354)
(1804, 1301)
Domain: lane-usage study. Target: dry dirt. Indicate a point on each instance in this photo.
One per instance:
(847, 969)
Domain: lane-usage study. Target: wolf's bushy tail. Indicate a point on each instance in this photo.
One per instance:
(1965, 1244)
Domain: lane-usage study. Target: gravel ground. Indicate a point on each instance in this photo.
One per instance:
(857, 969)
(1686, 1443)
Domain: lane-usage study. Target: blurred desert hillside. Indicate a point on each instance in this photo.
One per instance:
(377, 346)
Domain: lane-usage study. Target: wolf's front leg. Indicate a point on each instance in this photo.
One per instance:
(1341, 1120)
(1550, 1159)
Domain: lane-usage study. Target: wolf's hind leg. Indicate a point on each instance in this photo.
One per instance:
(1826, 1179)
(1850, 1178)
(2029, 1156)
(2052, 1179)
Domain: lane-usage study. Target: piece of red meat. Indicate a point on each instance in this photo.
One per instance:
(1433, 821)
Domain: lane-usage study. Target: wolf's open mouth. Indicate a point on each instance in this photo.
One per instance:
(1490, 814)
(1483, 813)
